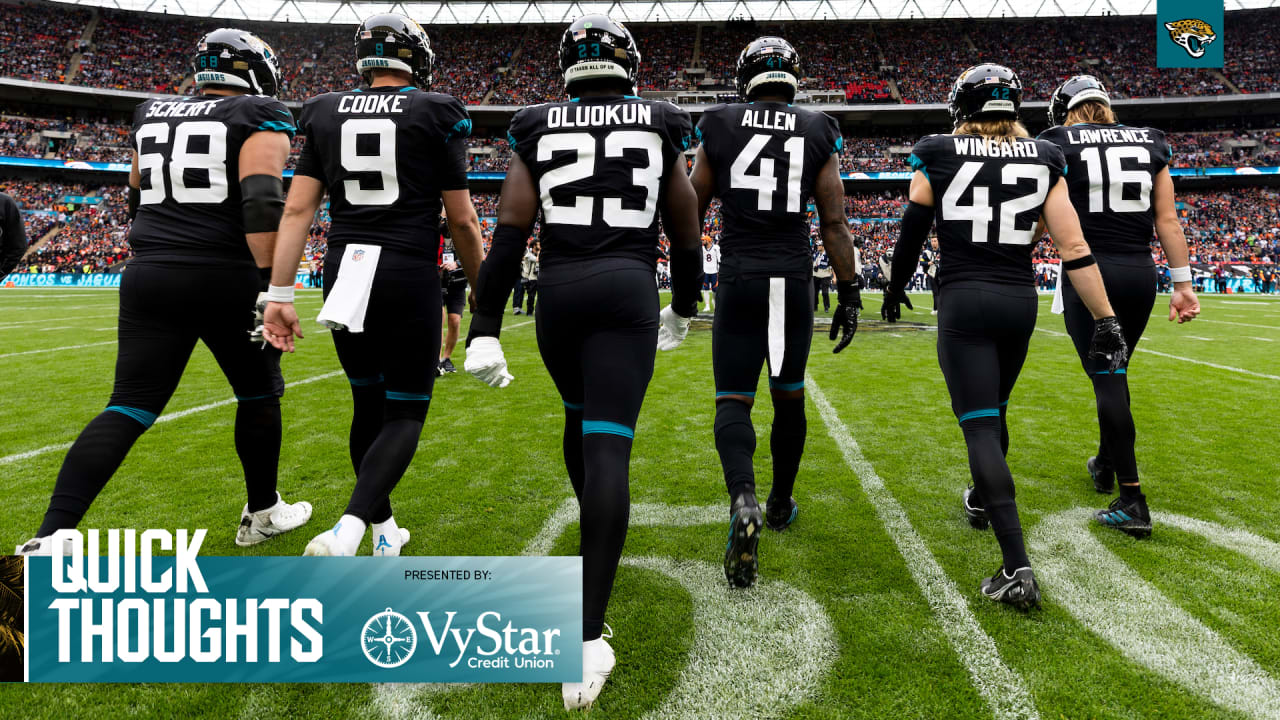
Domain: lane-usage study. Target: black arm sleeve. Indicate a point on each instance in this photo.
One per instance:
(13, 235)
(498, 275)
(686, 280)
(916, 222)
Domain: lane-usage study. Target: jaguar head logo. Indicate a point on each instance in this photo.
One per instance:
(1193, 35)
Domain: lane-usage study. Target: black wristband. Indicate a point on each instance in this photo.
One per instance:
(1080, 262)
(847, 292)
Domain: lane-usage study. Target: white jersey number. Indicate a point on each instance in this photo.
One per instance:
(980, 213)
(766, 182)
(1114, 179)
(182, 158)
(583, 145)
(384, 163)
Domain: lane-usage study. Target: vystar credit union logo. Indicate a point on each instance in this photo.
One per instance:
(388, 639)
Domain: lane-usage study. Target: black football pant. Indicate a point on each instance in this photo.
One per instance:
(1131, 286)
(391, 367)
(983, 333)
(761, 321)
(165, 308)
(598, 336)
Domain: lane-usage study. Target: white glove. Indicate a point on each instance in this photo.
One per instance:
(486, 361)
(672, 330)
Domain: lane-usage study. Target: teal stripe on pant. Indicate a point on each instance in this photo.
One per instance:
(605, 427)
(146, 419)
(987, 412)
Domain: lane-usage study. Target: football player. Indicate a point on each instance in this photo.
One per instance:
(205, 196)
(1119, 182)
(765, 158)
(710, 273)
(389, 155)
(602, 167)
(987, 186)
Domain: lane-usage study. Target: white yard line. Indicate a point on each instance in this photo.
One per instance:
(1226, 322)
(11, 325)
(57, 349)
(1142, 623)
(8, 459)
(1228, 368)
(1002, 687)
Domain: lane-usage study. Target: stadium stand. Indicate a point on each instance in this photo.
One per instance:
(865, 61)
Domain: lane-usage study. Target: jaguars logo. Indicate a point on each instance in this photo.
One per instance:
(1192, 35)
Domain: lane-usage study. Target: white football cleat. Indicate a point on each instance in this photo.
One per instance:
(597, 663)
(389, 544)
(44, 546)
(275, 520)
(342, 540)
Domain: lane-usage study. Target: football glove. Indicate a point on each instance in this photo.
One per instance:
(259, 313)
(486, 361)
(891, 311)
(844, 322)
(1108, 343)
(672, 329)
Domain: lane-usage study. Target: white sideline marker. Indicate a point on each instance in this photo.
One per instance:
(1115, 603)
(7, 459)
(1001, 686)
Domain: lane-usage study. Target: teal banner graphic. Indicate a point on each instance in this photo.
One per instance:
(1189, 33)
(130, 618)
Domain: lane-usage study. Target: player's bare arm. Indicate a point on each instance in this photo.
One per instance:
(1184, 306)
(262, 160)
(281, 320)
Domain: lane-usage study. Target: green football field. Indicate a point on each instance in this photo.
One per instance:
(868, 607)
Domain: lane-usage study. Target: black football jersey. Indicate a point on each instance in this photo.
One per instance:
(987, 199)
(189, 157)
(600, 165)
(766, 157)
(385, 154)
(1110, 171)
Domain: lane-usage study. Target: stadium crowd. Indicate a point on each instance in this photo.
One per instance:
(142, 51)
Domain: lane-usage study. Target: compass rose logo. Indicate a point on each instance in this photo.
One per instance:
(388, 639)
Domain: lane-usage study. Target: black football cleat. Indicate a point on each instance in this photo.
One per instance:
(779, 515)
(446, 366)
(740, 561)
(1019, 590)
(974, 511)
(1128, 515)
(1104, 478)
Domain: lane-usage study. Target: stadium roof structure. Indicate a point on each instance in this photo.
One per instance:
(533, 12)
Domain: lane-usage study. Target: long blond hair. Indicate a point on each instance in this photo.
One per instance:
(1092, 112)
(997, 130)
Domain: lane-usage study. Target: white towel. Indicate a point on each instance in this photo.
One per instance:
(1058, 308)
(349, 298)
(777, 324)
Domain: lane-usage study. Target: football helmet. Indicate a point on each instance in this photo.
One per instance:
(236, 58)
(768, 61)
(594, 47)
(986, 90)
(390, 41)
(1073, 92)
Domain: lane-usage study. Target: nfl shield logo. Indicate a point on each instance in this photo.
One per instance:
(357, 256)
